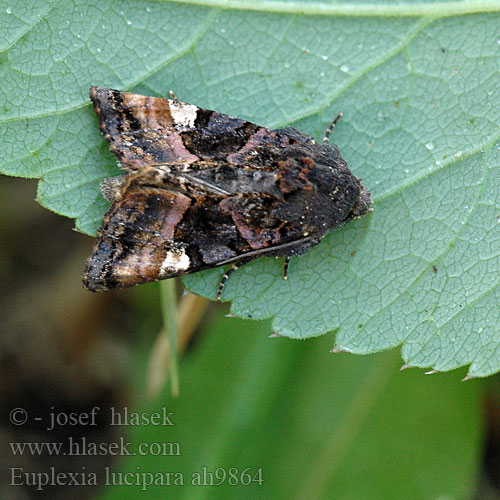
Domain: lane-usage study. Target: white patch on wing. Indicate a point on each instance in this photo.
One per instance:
(174, 261)
(183, 114)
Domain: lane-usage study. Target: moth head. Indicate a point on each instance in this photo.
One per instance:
(363, 204)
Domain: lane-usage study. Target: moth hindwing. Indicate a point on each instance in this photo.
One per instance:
(203, 189)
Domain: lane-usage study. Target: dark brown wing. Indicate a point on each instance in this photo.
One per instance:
(146, 130)
(198, 150)
(136, 240)
(141, 130)
(205, 189)
(151, 234)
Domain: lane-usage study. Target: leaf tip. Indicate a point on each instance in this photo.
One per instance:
(432, 372)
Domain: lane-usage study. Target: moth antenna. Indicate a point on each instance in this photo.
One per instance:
(285, 268)
(226, 275)
(326, 138)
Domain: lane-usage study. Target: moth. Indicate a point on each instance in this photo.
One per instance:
(203, 189)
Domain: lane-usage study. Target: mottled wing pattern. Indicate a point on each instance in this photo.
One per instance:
(145, 130)
(135, 243)
(142, 130)
(153, 233)
(204, 189)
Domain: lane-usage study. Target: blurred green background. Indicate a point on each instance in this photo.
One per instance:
(317, 425)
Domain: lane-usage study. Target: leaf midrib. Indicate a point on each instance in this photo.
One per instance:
(441, 9)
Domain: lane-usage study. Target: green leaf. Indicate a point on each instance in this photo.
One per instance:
(321, 426)
(417, 82)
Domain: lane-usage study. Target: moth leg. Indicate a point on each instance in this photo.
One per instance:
(326, 138)
(285, 268)
(225, 276)
(173, 96)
